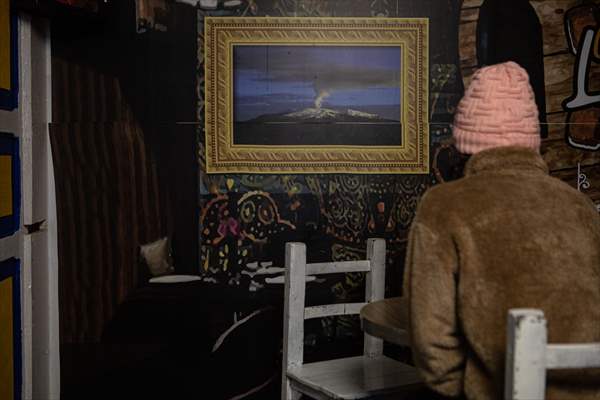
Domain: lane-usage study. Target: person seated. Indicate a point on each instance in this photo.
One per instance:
(506, 235)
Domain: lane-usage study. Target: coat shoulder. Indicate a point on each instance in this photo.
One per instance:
(439, 202)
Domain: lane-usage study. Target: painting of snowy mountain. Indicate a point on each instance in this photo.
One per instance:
(317, 95)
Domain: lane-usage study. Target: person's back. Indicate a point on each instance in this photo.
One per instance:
(507, 235)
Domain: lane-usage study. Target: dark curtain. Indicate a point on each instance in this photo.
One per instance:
(124, 148)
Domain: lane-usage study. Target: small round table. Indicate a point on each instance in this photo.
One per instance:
(387, 319)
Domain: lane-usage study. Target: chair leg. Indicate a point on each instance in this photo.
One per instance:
(287, 393)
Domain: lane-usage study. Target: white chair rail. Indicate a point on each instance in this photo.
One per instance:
(529, 355)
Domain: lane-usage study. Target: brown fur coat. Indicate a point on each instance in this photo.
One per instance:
(506, 236)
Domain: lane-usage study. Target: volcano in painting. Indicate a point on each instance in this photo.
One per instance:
(317, 95)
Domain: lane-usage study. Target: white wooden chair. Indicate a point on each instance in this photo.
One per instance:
(529, 355)
(347, 378)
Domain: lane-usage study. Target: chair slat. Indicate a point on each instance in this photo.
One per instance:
(293, 324)
(375, 289)
(525, 374)
(573, 356)
(528, 355)
(338, 267)
(328, 310)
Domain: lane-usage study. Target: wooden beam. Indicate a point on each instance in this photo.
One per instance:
(559, 155)
(551, 14)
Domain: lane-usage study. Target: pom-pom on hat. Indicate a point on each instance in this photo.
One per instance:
(498, 109)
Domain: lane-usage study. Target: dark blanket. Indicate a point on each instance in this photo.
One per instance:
(159, 345)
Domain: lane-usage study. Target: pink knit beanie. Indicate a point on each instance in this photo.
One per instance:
(498, 109)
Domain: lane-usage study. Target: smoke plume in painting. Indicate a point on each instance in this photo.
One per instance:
(317, 95)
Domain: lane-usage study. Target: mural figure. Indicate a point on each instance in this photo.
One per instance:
(582, 27)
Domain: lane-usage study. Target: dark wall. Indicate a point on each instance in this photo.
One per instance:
(246, 219)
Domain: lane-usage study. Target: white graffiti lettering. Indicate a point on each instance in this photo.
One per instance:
(581, 98)
(582, 179)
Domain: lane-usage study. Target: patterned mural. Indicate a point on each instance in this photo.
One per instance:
(245, 220)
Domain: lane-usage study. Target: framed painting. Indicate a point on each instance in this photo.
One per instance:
(316, 95)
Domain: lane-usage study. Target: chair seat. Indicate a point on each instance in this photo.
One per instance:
(354, 377)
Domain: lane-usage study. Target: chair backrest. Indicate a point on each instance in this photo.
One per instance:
(295, 311)
(529, 355)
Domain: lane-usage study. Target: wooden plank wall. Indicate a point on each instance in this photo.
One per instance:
(108, 193)
(559, 66)
(108, 196)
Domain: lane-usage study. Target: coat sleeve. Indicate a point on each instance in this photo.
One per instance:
(430, 282)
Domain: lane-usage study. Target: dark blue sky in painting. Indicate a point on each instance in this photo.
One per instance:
(275, 79)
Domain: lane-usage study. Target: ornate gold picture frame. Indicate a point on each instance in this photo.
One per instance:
(316, 95)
